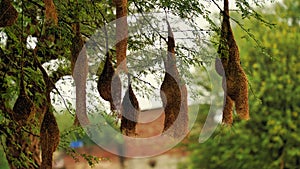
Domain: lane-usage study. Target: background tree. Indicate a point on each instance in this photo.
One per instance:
(271, 138)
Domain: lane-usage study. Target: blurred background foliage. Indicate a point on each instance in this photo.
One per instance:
(271, 139)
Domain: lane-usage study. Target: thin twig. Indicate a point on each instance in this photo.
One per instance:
(141, 11)
(37, 4)
(240, 25)
(25, 130)
(135, 77)
(48, 81)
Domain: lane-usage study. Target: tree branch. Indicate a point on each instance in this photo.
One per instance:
(141, 11)
(37, 4)
(240, 25)
(139, 79)
(49, 83)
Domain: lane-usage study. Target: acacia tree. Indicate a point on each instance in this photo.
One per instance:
(22, 69)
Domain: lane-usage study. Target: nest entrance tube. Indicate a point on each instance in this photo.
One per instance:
(235, 83)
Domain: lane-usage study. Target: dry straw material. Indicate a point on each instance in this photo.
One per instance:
(235, 82)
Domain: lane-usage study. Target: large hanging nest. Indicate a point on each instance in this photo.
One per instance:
(49, 135)
(49, 132)
(8, 14)
(173, 94)
(130, 110)
(79, 67)
(121, 33)
(235, 82)
(130, 105)
(24, 108)
(171, 98)
(109, 83)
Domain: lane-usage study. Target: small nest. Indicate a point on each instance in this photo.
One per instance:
(8, 13)
(130, 111)
(23, 109)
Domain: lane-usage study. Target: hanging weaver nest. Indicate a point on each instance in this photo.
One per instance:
(24, 109)
(235, 83)
(171, 98)
(121, 33)
(8, 14)
(130, 110)
(49, 135)
(79, 67)
(173, 94)
(109, 84)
